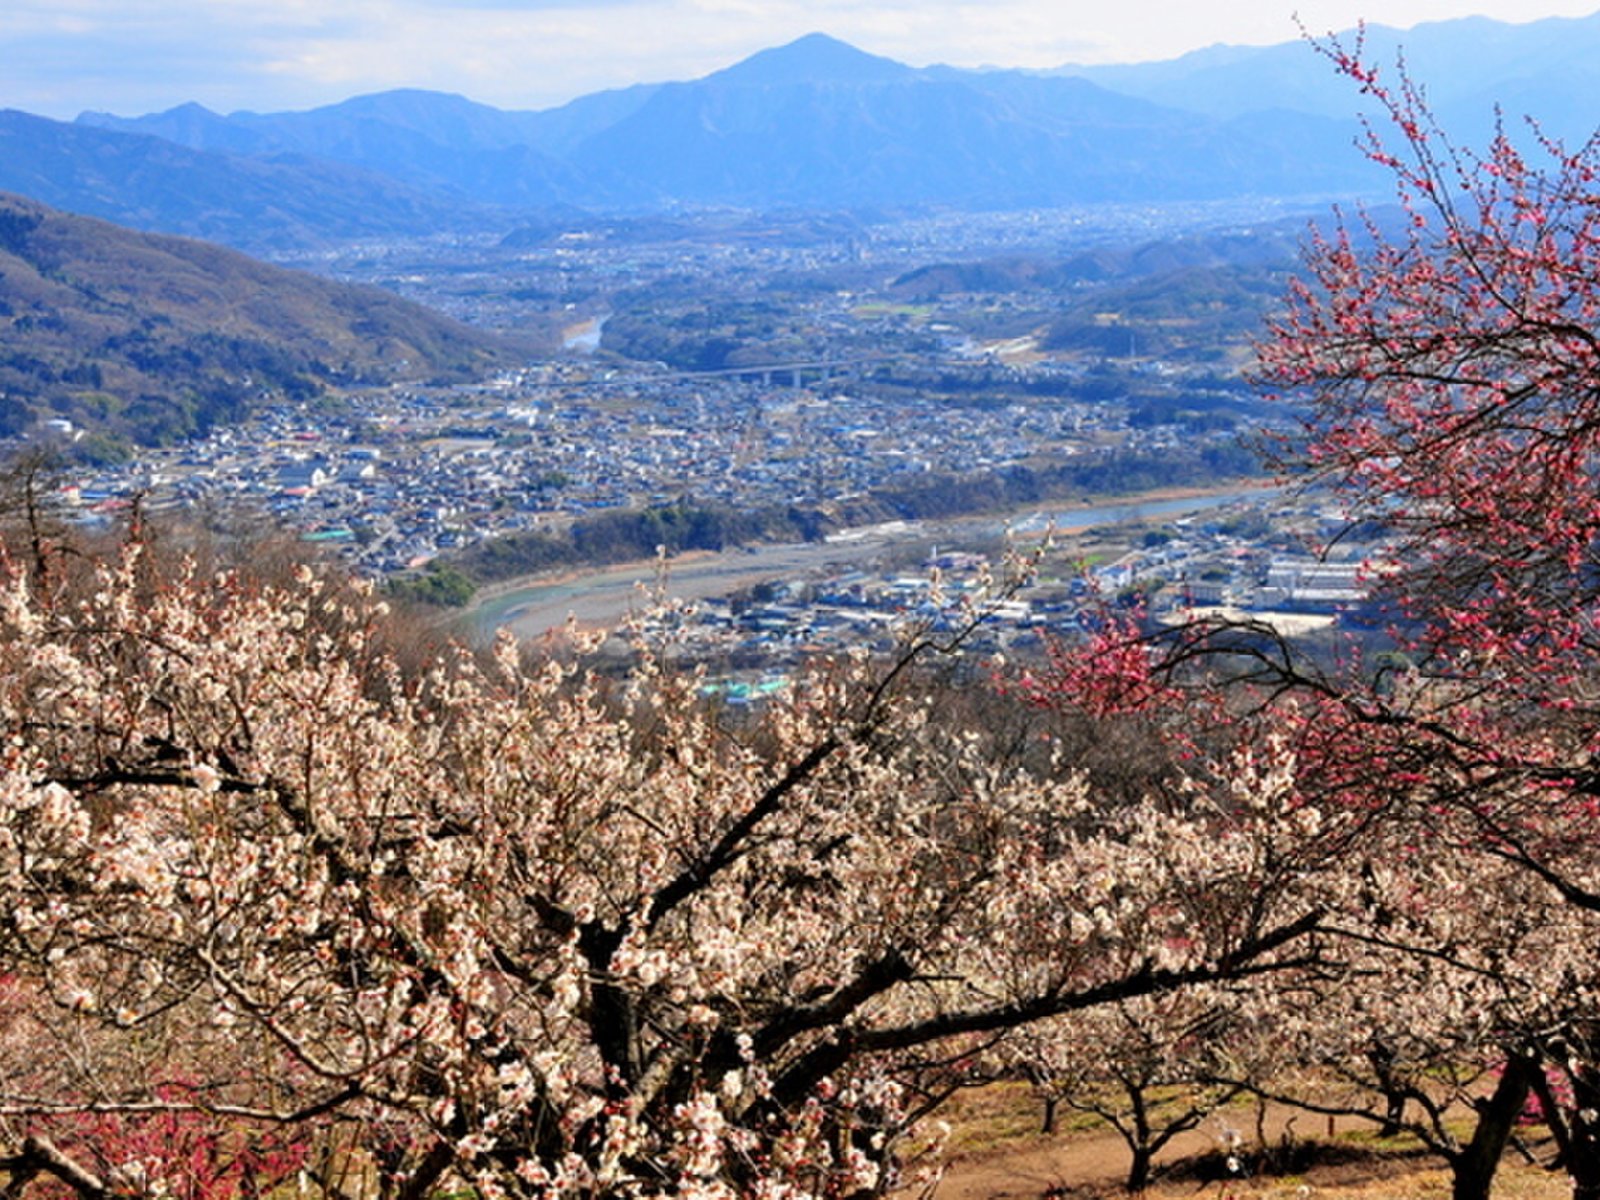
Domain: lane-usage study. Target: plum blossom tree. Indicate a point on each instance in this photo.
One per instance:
(1154, 1067)
(535, 929)
(1151, 1068)
(1450, 375)
(1456, 970)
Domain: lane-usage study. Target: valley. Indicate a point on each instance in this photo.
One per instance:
(831, 629)
(740, 387)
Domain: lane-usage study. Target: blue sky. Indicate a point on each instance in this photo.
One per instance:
(133, 56)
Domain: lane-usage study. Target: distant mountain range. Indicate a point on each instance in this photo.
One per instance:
(148, 338)
(815, 124)
(1469, 67)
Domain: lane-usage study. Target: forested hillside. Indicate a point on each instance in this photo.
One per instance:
(143, 338)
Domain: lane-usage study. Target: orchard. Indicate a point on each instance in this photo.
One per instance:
(288, 907)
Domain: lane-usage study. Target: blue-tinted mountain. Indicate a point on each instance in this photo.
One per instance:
(271, 201)
(820, 124)
(816, 123)
(815, 58)
(434, 141)
(558, 131)
(1468, 66)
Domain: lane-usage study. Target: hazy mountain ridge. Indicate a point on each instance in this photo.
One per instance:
(442, 145)
(816, 123)
(271, 201)
(1468, 67)
(1272, 247)
(152, 338)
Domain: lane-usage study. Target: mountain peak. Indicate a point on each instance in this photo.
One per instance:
(188, 111)
(814, 58)
(404, 99)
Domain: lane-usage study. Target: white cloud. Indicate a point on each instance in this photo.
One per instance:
(139, 55)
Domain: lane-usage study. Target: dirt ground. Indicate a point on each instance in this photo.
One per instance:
(1302, 1162)
(1094, 1162)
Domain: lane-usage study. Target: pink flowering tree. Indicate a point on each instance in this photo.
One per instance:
(1451, 384)
(1155, 1067)
(1455, 966)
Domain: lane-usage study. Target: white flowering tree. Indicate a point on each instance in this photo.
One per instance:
(1454, 971)
(1151, 1067)
(270, 897)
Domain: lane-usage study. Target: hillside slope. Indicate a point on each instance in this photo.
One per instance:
(263, 202)
(149, 338)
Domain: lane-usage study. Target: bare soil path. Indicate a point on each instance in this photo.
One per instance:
(1091, 1165)
(1094, 1162)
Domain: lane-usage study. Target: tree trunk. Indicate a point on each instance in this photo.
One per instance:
(1381, 1056)
(1140, 1142)
(1583, 1128)
(1473, 1169)
(1394, 1114)
(1139, 1169)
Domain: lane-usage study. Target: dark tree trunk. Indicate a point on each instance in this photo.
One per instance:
(1140, 1141)
(1583, 1128)
(1474, 1168)
(1139, 1169)
(1381, 1057)
(1394, 1113)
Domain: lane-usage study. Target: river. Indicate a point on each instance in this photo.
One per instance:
(605, 595)
(584, 338)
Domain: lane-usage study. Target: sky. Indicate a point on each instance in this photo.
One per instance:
(60, 57)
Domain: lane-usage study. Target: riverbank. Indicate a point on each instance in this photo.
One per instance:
(604, 596)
